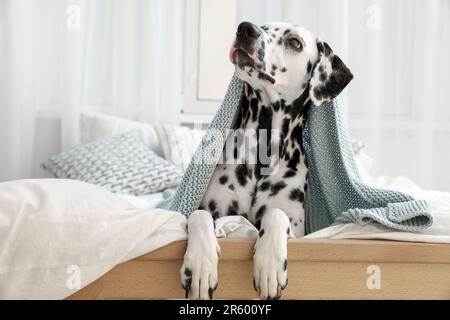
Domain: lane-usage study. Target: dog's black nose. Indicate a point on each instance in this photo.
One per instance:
(248, 30)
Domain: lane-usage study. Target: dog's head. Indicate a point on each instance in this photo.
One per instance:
(288, 59)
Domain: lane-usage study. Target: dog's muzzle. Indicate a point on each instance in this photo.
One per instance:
(243, 50)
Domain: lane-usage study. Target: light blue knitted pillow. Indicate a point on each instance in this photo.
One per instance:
(122, 164)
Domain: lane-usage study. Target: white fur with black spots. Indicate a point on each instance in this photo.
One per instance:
(263, 175)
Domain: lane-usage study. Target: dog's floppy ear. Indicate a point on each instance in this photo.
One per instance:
(329, 76)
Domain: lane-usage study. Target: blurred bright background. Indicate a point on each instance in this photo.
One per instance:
(166, 61)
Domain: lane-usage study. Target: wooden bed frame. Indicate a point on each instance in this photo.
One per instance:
(317, 269)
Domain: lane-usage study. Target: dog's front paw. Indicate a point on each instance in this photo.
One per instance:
(270, 255)
(199, 270)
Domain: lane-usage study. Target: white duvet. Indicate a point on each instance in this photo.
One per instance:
(57, 236)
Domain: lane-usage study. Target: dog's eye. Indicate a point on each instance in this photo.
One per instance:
(295, 43)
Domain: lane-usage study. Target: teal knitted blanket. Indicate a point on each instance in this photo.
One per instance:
(336, 192)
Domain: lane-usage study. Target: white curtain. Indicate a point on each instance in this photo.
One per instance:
(398, 51)
(58, 57)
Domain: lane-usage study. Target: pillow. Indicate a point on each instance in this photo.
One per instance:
(178, 143)
(122, 164)
(95, 126)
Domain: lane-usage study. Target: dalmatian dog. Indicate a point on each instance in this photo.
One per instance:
(286, 70)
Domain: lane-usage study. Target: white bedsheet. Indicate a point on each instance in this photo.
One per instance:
(56, 232)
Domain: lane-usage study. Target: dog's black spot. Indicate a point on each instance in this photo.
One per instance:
(320, 48)
(300, 105)
(254, 195)
(309, 67)
(294, 160)
(265, 119)
(274, 67)
(297, 135)
(188, 272)
(272, 73)
(264, 186)
(288, 231)
(254, 108)
(286, 32)
(322, 74)
(276, 29)
(258, 97)
(289, 173)
(231, 187)
(287, 156)
(233, 208)
(295, 224)
(297, 195)
(276, 105)
(284, 69)
(223, 179)
(212, 206)
(275, 188)
(324, 48)
(280, 41)
(242, 173)
(215, 215)
(285, 128)
(260, 54)
(264, 76)
(260, 213)
(285, 265)
(261, 233)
